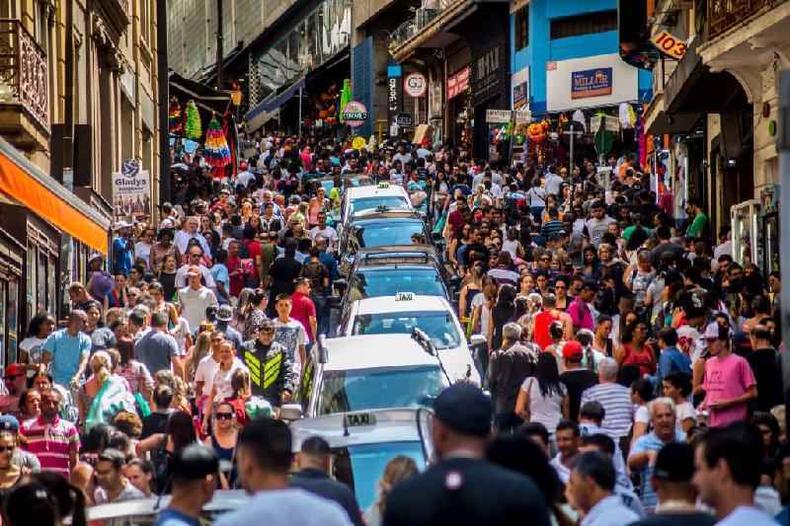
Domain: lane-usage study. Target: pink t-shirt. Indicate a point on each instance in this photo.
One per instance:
(52, 442)
(726, 378)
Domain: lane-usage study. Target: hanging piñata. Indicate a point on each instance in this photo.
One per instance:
(215, 149)
(176, 125)
(194, 128)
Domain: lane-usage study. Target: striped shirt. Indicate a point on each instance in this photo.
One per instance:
(51, 442)
(616, 400)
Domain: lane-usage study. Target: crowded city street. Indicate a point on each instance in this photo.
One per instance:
(394, 263)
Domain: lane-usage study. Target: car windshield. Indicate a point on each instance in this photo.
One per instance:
(381, 388)
(386, 282)
(360, 467)
(380, 234)
(391, 202)
(439, 326)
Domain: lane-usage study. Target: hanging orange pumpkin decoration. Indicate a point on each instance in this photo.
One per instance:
(538, 131)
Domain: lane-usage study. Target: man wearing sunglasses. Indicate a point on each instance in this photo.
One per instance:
(272, 375)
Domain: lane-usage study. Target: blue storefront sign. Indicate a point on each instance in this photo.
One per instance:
(591, 83)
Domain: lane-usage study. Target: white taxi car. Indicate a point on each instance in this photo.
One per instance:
(362, 444)
(362, 373)
(404, 312)
(382, 196)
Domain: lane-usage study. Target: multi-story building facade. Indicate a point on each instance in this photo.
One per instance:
(51, 218)
(714, 115)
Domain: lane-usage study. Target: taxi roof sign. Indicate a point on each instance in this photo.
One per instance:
(359, 419)
(404, 296)
(383, 184)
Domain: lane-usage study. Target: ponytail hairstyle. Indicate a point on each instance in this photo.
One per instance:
(103, 368)
(69, 499)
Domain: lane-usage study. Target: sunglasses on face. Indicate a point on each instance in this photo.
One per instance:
(7, 449)
(224, 416)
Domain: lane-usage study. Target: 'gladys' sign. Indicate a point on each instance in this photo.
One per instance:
(591, 83)
(132, 190)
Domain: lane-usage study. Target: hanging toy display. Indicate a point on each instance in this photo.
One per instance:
(194, 128)
(537, 133)
(215, 149)
(176, 118)
(325, 106)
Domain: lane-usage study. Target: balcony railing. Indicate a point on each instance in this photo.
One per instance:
(24, 73)
(409, 29)
(726, 14)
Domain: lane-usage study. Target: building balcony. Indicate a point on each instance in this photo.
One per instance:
(117, 12)
(426, 24)
(724, 15)
(24, 87)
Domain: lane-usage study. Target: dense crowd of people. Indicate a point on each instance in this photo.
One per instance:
(632, 369)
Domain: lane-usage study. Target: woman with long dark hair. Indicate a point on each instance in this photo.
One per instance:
(40, 327)
(543, 397)
(503, 312)
(179, 433)
(635, 351)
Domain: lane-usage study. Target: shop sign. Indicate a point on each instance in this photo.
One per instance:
(132, 190)
(609, 122)
(488, 73)
(591, 83)
(394, 95)
(498, 116)
(404, 120)
(355, 114)
(520, 89)
(458, 82)
(669, 44)
(415, 85)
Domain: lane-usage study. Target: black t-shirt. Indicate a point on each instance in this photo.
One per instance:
(765, 367)
(677, 519)
(154, 423)
(283, 273)
(576, 381)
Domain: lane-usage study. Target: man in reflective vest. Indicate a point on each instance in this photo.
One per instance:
(271, 371)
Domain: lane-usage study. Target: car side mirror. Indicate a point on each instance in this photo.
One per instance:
(291, 412)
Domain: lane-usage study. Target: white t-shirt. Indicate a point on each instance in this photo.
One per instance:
(546, 410)
(291, 335)
(181, 276)
(179, 332)
(683, 412)
(747, 515)
(328, 233)
(485, 312)
(32, 346)
(206, 369)
(222, 386)
(287, 507)
(142, 251)
(193, 304)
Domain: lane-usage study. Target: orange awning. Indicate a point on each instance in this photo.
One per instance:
(51, 201)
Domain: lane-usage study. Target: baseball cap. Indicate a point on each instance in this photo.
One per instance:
(464, 408)
(675, 462)
(572, 350)
(9, 423)
(15, 369)
(715, 332)
(225, 313)
(266, 324)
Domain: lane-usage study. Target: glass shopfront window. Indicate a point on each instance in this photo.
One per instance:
(309, 44)
(12, 317)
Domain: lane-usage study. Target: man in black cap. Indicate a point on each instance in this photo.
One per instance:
(677, 497)
(462, 488)
(194, 474)
(314, 463)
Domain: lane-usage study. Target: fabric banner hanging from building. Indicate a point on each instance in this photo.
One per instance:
(132, 190)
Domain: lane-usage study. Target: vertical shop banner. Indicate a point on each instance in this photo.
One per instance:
(132, 190)
(591, 83)
(394, 92)
(488, 73)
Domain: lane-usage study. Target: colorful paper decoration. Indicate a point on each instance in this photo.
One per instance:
(346, 96)
(215, 149)
(176, 118)
(194, 128)
(358, 143)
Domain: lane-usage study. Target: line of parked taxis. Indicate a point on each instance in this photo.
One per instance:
(395, 343)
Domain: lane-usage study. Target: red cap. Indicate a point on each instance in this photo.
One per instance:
(572, 350)
(15, 369)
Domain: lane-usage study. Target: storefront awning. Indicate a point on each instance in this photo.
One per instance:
(28, 185)
(261, 113)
